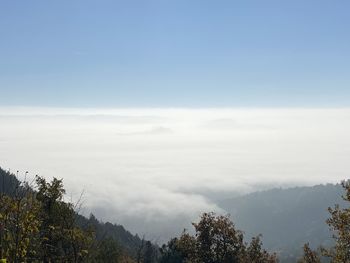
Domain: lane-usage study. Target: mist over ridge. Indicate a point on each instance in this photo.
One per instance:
(151, 168)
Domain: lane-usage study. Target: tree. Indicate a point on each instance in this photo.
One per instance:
(339, 223)
(310, 256)
(19, 225)
(37, 225)
(217, 241)
(256, 254)
(61, 238)
(40, 226)
(108, 251)
(150, 253)
(170, 253)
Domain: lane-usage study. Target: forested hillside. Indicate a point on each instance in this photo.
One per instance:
(287, 218)
(71, 235)
(37, 225)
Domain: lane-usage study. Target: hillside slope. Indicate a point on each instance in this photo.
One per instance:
(287, 218)
(130, 243)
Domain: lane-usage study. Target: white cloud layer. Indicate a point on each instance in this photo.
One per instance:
(149, 169)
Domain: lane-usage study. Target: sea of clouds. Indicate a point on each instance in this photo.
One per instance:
(156, 170)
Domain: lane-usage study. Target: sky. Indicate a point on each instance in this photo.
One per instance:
(163, 53)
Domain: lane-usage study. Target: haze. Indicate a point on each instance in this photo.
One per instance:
(155, 169)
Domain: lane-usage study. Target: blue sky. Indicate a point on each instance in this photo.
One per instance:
(184, 53)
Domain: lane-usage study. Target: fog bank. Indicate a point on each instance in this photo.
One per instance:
(155, 170)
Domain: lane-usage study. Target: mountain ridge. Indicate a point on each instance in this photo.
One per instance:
(286, 218)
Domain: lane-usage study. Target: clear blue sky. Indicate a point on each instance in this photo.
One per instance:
(175, 53)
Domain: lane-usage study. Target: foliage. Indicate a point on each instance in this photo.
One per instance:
(19, 227)
(171, 253)
(108, 251)
(61, 239)
(298, 213)
(310, 256)
(339, 223)
(215, 241)
(256, 254)
(39, 226)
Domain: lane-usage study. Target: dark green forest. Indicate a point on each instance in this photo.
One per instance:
(38, 225)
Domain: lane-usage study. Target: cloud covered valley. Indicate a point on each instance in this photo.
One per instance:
(155, 170)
